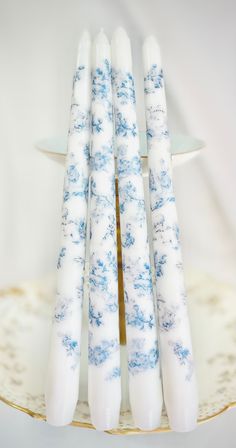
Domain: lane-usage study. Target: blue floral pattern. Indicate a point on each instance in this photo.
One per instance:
(153, 79)
(71, 347)
(138, 319)
(123, 87)
(67, 316)
(184, 356)
(79, 120)
(167, 314)
(114, 374)
(78, 74)
(141, 360)
(141, 329)
(103, 347)
(99, 354)
(170, 291)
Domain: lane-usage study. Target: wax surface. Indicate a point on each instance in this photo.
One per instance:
(145, 390)
(104, 384)
(64, 360)
(178, 372)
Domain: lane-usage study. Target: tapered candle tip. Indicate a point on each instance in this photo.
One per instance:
(85, 36)
(121, 50)
(84, 48)
(151, 52)
(101, 38)
(151, 41)
(101, 49)
(120, 33)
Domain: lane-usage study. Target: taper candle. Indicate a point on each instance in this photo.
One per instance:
(178, 373)
(145, 388)
(104, 384)
(64, 360)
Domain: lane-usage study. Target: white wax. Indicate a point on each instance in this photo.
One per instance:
(178, 373)
(145, 388)
(104, 384)
(64, 360)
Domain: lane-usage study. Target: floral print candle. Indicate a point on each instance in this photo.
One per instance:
(64, 361)
(178, 374)
(104, 384)
(142, 346)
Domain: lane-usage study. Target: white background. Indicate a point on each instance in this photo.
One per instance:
(38, 43)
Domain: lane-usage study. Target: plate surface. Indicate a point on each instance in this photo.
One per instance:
(181, 145)
(25, 322)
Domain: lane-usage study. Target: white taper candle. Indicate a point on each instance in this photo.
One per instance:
(104, 385)
(178, 373)
(145, 388)
(64, 361)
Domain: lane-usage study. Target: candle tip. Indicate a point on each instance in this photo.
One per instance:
(121, 50)
(85, 35)
(101, 37)
(83, 46)
(151, 40)
(120, 33)
(151, 52)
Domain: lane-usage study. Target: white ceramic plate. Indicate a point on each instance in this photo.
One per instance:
(25, 322)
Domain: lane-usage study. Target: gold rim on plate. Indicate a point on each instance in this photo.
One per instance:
(42, 417)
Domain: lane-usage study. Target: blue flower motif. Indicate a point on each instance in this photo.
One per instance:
(160, 185)
(184, 357)
(127, 238)
(167, 315)
(140, 361)
(128, 194)
(159, 262)
(167, 234)
(72, 348)
(153, 80)
(78, 74)
(128, 167)
(80, 191)
(112, 262)
(160, 133)
(61, 255)
(76, 230)
(143, 281)
(100, 82)
(123, 128)
(112, 305)
(138, 319)
(62, 309)
(102, 159)
(123, 85)
(98, 275)
(110, 230)
(96, 125)
(99, 354)
(114, 373)
(95, 318)
(105, 201)
(79, 119)
(72, 173)
(140, 275)
(99, 161)
(86, 151)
